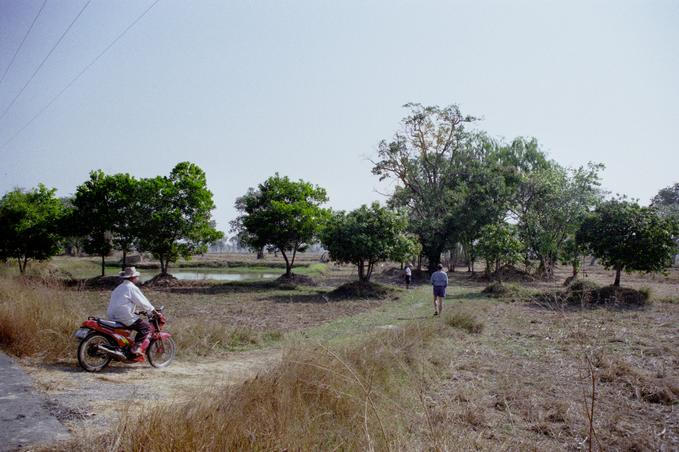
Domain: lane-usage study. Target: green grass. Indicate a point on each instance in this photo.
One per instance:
(414, 304)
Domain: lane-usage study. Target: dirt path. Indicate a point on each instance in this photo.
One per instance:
(82, 400)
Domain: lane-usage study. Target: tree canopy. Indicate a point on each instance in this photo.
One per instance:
(667, 201)
(429, 157)
(176, 215)
(626, 236)
(30, 223)
(107, 212)
(366, 236)
(283, 214)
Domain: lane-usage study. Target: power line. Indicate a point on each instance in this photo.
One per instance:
(22, 42)
(4, 113)
(85, 69)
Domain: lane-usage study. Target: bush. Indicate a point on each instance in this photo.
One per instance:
(587, 293)
(464, 321)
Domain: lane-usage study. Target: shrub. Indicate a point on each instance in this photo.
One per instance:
(464, 321)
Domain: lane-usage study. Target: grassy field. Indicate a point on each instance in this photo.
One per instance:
(491, 373)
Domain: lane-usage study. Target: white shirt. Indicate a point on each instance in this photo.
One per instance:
(408, 271)
(124, 299)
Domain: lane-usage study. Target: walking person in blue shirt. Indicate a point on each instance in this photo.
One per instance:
(439, 279)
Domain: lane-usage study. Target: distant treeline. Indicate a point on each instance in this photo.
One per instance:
(457, 191)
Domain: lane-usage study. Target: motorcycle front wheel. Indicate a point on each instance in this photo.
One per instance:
(90, 357)
(161, 352)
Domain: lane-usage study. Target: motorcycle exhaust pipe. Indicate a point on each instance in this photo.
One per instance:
(117, 354)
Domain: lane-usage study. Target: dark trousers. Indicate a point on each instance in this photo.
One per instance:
(143, 329)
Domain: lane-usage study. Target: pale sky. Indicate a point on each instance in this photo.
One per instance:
(245, 89)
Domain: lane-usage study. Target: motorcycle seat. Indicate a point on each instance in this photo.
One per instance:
(111, 323)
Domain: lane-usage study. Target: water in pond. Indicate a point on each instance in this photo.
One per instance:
(199, 276)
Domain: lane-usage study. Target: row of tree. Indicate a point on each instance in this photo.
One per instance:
(456, 189)
(288, 217)
(508, 202)
(168, 216)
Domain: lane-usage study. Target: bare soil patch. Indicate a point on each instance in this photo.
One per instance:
(84, 401)
(363, 290)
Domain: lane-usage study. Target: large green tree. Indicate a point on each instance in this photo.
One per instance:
(283, 214)
(366, 236)
(550, 201)
(107, 212)
(30, 225)
(626, 236)
(428, 158)
(176, 215)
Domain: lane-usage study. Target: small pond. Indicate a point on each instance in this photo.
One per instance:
(214, 276)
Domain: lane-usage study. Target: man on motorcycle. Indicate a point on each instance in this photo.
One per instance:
(125, 299)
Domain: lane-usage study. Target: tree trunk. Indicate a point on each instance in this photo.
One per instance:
(575, 269)
(22, 264)
(617, 277)
(361, 271)
(434, 259)
(260, 253)
(419, 262)
(288, 267)
(124, 264)
(163, 265)
(369, 273)
(292, 261)
(103, 266)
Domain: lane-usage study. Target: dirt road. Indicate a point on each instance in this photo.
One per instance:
(82, 400)
(24, 417)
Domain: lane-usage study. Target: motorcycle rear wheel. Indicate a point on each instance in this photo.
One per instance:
(89, 357)
(161, 352)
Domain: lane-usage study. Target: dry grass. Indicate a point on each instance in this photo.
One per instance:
(36, 319)
(361, 398)
(464, 320)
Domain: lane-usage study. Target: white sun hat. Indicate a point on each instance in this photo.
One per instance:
(130, 272)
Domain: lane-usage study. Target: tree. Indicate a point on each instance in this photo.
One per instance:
(667, 201)
(625, 236)
(550, 201)
(30, 223)
(128, 213)
(667, 204)
(428, 158)
(489, 190)
(366, 236)
(176, 215)
(106, 211)
(499, 245)
(282, 214)
(571, 254)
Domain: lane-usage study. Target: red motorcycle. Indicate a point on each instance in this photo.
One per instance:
(104, 340)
